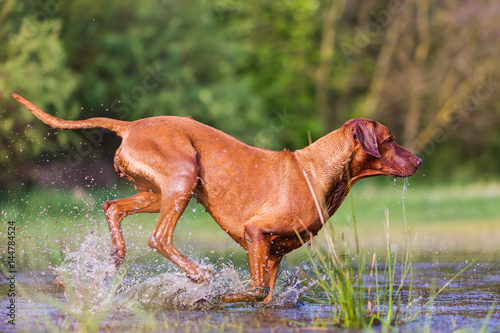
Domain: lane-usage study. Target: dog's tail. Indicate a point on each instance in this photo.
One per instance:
(118, 126)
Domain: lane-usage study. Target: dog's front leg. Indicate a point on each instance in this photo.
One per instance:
(273, 268)
(258, 245)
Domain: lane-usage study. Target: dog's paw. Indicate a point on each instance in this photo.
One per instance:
(250, 295)
(258, 293)
(201, 276)
(117, 256)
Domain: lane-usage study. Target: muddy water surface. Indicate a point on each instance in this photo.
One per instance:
(148, 299)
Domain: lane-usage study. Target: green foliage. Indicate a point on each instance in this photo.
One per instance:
(33, 63)
(251, 69)
(282, 52)
(160, 58)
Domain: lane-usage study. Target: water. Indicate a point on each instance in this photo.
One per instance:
(90, 283)
(466, 301)
(88, 277)
(146, 297)
(463, 305)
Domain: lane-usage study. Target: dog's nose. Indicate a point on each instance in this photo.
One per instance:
(418, 161)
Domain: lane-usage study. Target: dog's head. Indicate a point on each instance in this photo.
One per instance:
(377, 153)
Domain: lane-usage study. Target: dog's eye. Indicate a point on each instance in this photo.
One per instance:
(355, 137)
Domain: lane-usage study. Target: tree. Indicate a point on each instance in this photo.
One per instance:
(160, 58)
(429, 65)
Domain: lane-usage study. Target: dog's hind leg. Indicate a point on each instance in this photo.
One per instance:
(177, 189)
(117, 210)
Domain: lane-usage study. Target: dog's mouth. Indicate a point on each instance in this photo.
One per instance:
(408, 169)
(403, 174)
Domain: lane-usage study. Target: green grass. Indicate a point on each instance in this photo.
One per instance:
(362, 295)
(342, 274)
(444, 219)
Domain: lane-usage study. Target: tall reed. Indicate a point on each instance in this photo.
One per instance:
(362, 295)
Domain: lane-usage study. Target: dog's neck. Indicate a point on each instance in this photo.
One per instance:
(325, 163)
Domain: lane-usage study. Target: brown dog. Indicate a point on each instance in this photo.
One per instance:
(263, 199)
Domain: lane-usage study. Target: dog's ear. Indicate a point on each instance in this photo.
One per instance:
(364, 133)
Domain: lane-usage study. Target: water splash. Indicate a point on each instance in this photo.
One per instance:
(289, 291)
(176, 291)
(92, 284)
(88, 277)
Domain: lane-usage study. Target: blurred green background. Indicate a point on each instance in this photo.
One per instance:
(267, 72)
(271, 73)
